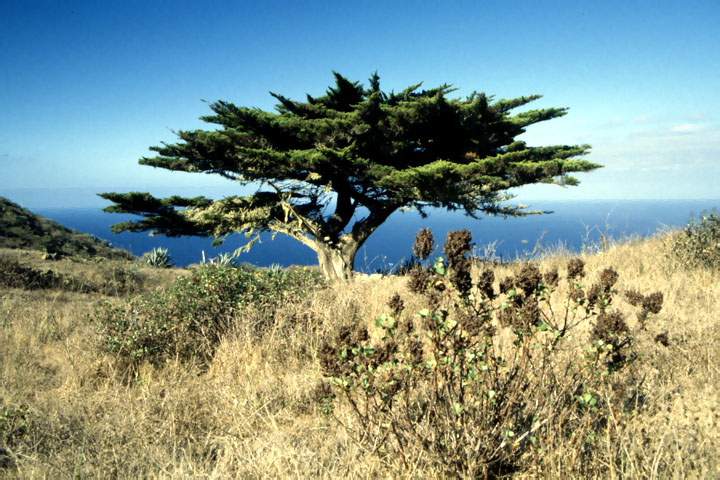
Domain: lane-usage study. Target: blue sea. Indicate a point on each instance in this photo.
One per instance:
(573, 225)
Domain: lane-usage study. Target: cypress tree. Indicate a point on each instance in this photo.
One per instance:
(331, 169)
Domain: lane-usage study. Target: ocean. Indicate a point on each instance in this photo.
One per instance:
(572, 225)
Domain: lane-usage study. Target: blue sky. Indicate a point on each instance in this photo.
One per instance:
(87, 86)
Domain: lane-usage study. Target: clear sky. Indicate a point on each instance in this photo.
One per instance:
(87, 86)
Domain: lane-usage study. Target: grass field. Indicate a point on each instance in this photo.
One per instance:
(66, 410)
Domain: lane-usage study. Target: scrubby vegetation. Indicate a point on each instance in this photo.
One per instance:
(698, 245)
(488, 375)
(450, 370)
(116, 280)
(20, 228)
(187, 320)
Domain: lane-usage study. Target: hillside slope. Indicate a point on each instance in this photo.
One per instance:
(20, 228)
(68, 408)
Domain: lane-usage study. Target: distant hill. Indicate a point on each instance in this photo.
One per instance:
(20, 228)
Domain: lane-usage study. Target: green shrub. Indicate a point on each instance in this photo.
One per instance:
(487, 376)
(698, 244)
(118, 280)
(13, 274)
(188, 319)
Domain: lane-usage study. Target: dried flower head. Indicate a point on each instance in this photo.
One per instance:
(434, 298)
(460, 276)
(653, 303)
(663, 339)
(608, 278)
(507, 284)
(458, 243)
(528, 278)
(352, 334)
(384, 353)
(485, 283)
(551, 278)
(529, 314)
(575, 269)
(424, 244)
(576, 294)
(396, 305)
(594, 295)
(419, 279)
(609, 327)
(330, 361)
(634, 297)
(407, 327)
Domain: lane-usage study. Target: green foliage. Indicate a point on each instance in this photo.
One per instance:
(114, 280)
(188, 319)
(13, 274)
(158, 257)
(698, 245)
(119, 280)
(355, 154)
(486, 376)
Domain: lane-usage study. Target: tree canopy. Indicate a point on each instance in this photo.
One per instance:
(331, 169)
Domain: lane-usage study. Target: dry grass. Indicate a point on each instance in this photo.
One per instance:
(251, 415)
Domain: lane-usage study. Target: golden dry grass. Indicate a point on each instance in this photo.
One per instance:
(251, 414)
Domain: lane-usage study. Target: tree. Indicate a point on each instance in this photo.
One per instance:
(331, 169)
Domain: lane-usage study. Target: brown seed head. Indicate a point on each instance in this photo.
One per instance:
(609, 326)
(485, 283)
(415, 350)
(529, 313)
(460, 276)
(608, 278)
(330, 361)
(506, 284)
(576, 294)
(634, 297)
(593, 295)
(653, 303)
(529, 278)
(419, 279)
(551, 278)
(663, 339)
(424, 244)
(458, 243)
(396, 305)
(575, 269)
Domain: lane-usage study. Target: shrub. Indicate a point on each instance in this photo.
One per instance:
(13, 274)
(13, 430)
(118, 280)
(486, 377)
(188, 319)
(698, 244)
(158, 257)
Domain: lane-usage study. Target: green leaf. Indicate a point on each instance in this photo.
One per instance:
(439, 266)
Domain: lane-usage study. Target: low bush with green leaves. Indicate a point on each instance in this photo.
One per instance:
(491, 373)
(188, 319)
(119, 280)
(698, 244)
(13, 274)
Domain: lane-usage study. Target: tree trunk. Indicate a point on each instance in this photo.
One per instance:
(336, 263)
